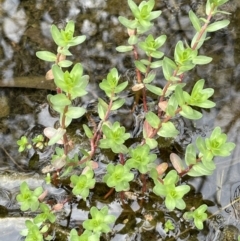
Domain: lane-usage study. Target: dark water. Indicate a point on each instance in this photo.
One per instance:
(25, 29)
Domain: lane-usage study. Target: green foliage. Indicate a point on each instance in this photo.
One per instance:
(141, 159)
(32, 232)
(198, 216)
(143, 15)
(114, 137)
(110, 85)
(73, 83)
(45, 215)
(100, 220)
(118, 177)
(173, 195)
(64, 38)
(171, 101)
(81, 184)
(86, 236)
(168, 226)
(151, 46)
(27, 198)
(23, 144)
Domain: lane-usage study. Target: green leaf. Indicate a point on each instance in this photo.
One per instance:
(152, 143)
(128, 23)
(156, 64)
(200, 41)
(200, 59)
(153, 119)
(75, 112)
(102, 107)
(65, 63)
(117, 104)
(46, 56)
(123, 49)
(155, 90)
(57, 37)
(190, 155)
(168, 67)
(87, 131)
(60, 100)
(140, 66)
(57, 136)
(133, 7)
(189, 113)
(217, 25)
(179, 96)
(121, 87)
(150, 77)
(199, 170)
(133, 39)
(168, 130)
(77, 40)
(195, 21)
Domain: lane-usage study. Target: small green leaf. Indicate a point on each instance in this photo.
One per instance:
(87, 131)
(121, 87)
(152, 143)
(46, 56)
(195, 21)
(155, 90)
(117, 104)
(123, 49)
(133, 39)
(56, 136)
(168, 67)
(190, 155)
(128, 23)
(179, 96)
(150, 77)
(75, 112)
(217, 25)
(139, 65)
(153, 119)
(200, 41)
(189, 113)
(200, 59)
(168, 130)
(65, 63)
(101, 111)
(156, 64)
(60, 100)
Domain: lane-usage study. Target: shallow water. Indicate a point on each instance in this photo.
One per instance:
(25, 29)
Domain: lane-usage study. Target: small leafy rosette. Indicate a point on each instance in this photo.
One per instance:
(118, 177)
(199, 216)
(173, 195)
(100, 221)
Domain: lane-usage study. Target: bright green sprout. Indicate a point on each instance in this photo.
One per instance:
(81, 184)
(141, 159)
(27, 198)
(173, 195)
(118, 177)
(114, 137)
(100, 221)
(45, 215)
(198, 215)
(32, 232)
(86, 236)
(23, 144)
(168, 226)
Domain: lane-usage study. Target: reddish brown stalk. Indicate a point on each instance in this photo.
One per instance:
(109, 193)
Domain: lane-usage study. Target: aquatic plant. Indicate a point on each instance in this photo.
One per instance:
(171, 101)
